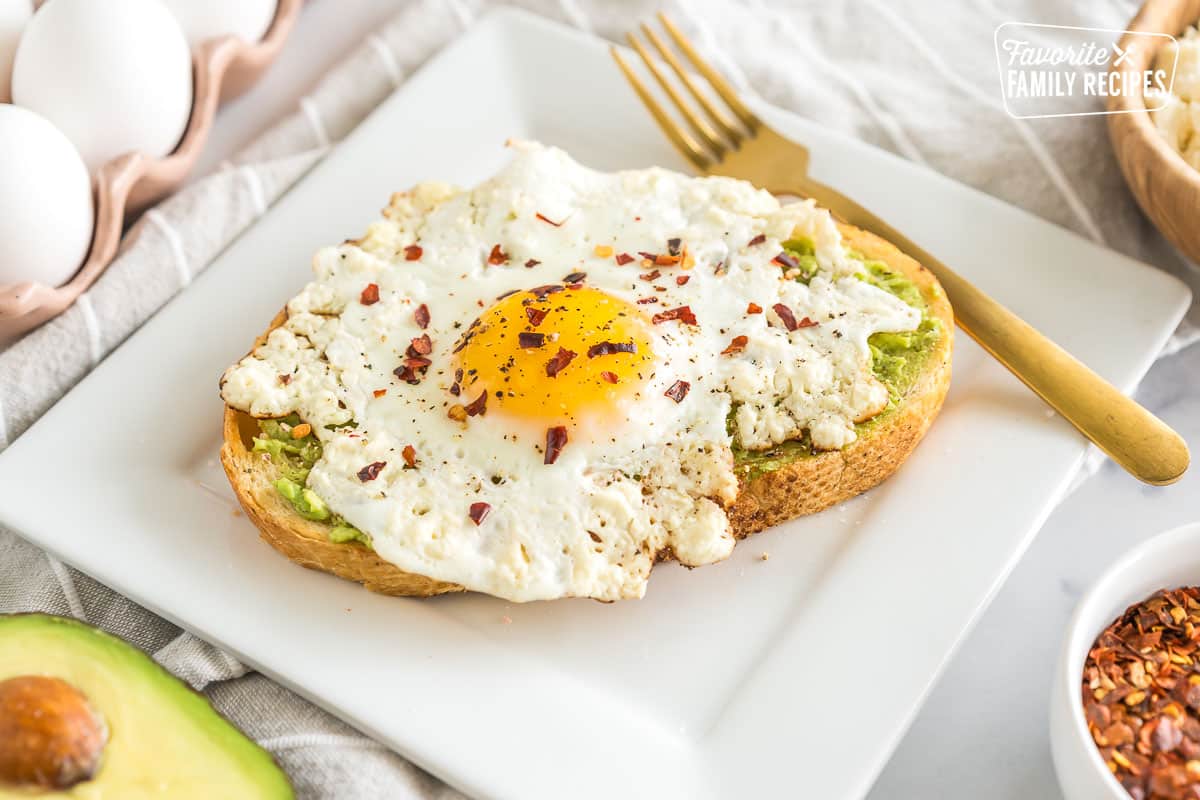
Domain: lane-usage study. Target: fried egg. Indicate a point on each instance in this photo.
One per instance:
(533, 388)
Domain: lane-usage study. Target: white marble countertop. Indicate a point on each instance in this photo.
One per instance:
(983, 731)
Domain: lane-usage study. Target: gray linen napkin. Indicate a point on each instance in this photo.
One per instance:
(911, 77)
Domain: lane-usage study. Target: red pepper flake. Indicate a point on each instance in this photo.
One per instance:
(811, 323)
(575, 277)
(757, 240)
(413, 252)
(682, 313)
(736, 345)
(417, 362)
(754, 308)
(643, 301)
(680, 280)
(370, 295)
(530, 339)
(536, 315)
(410, 455)
(624, 258)
(549, 221)
(611, 377)
(531, 263)
(785, 260)
(285, 379)
(478, 405)
(785, 316)
(540, 292)
(556, 440)
(649, 276)
(420, 346)
(421, 315)
(678, 391)
(559, 362)
(609, 348)
(666, 260)
(407, 374)
(371, 471)
(478, 512)
(379, 392)
(497, 256)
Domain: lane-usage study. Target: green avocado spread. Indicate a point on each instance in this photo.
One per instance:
(294, 458)
(896, 358)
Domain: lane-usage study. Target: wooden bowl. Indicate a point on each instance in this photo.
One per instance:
(1166, 187)
(222, 68)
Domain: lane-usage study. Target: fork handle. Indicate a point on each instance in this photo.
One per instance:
(1140, 442)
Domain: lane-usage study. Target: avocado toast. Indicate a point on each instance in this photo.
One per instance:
(887, 404)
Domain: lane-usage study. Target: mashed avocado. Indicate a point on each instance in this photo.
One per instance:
(294, 458)
(896, 358)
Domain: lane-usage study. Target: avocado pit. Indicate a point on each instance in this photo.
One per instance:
(50, 736)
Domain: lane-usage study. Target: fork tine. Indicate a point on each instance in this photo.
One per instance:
(722, 120)
(727, 92)
(702, 128)
(683, 142)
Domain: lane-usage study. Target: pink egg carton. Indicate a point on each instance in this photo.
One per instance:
(222, 69)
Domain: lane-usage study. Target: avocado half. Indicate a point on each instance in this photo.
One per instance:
(84, 714)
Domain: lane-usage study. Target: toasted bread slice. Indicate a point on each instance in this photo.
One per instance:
(805, 485)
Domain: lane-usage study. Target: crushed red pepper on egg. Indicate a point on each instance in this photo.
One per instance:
(757, 240)
(413, 252)
(609, 348)
(478, 405)
(736, 345)
(624, 258)
(370, 295)
(678, 391)
(421, 346)
(559, 362)
(497, 256)
(371, 471)
(611, 377)
(682, 313)
(785, 260)
(535, 315)
(753, 308)
(785, 316)
(421, 315)
(410, 455)
(548, 221)
(531, 339)
(478, 512)
(556, 440)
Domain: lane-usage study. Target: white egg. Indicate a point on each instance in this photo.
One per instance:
(14, 14)
(45, 201)
(201, 21)
(115, 76)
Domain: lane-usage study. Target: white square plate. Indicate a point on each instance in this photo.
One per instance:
(747, 678)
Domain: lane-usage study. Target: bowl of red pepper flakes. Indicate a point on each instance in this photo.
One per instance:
(1125, 704)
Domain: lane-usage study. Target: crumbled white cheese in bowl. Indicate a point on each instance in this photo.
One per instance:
(533, 388)
(1178, 119)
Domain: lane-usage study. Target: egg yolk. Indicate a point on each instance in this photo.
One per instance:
(556, 354)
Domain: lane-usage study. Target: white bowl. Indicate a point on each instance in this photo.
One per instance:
(1167, 561)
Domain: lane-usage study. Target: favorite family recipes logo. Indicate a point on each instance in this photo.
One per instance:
(1065, 71)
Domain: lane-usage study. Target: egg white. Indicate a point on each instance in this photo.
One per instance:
(652, 476)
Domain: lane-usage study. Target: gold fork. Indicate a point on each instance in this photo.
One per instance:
(731, 140)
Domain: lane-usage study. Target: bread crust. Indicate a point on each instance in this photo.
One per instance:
(805, 486)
